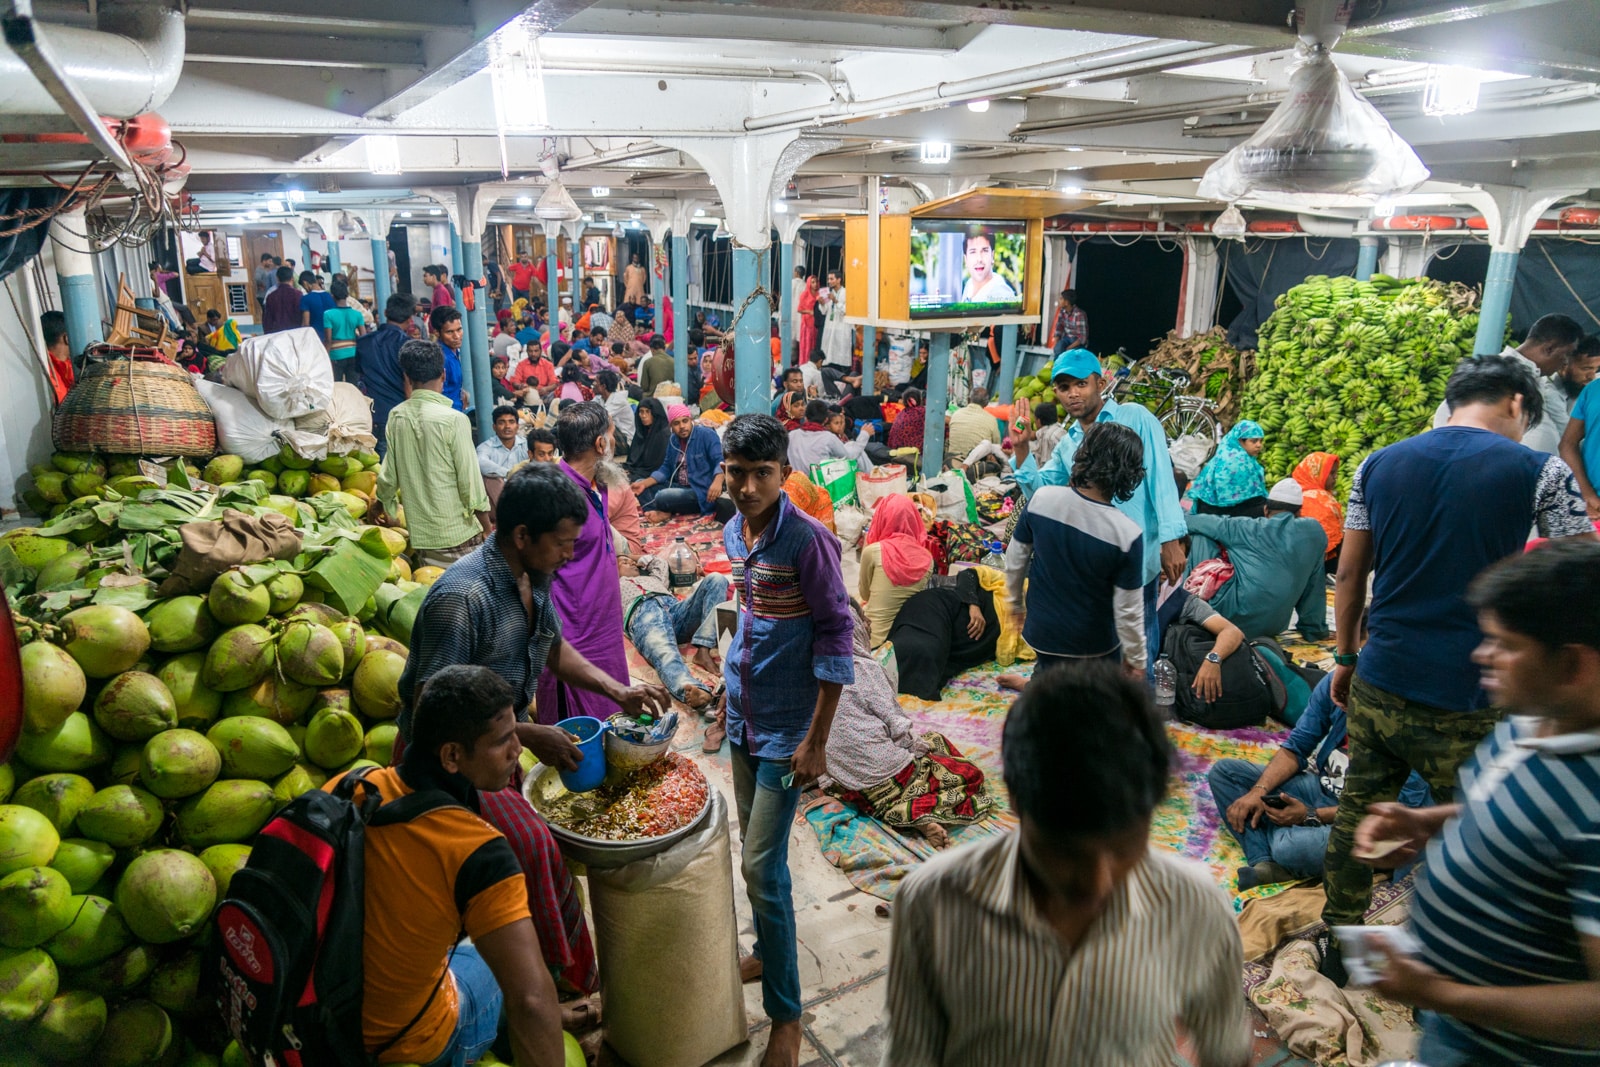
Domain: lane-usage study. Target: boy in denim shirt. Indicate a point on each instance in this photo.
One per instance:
(790, 657)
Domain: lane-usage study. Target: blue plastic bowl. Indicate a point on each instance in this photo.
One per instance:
(591, 745)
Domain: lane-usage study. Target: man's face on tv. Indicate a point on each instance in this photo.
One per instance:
(980, 258)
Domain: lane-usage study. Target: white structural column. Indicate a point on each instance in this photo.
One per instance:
(574, 232)
(788, 233)
(69, 234)
(748, 172)
(1511, 212)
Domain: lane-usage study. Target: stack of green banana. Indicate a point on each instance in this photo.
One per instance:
(1348, 366)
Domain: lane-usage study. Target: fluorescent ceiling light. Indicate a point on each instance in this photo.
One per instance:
(699, 212)
(252, 215)
(274, 207)
(383, 156)
(524, 201)
(405, 214)
(599, 190)
(436, 211)
(298, 195)
(935, 152)
(517, 80)
(1071, 190)
(979, 106)
(780, 208)
(1451, 91)
(633, 215)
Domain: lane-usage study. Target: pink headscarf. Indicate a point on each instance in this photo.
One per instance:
(897, 528)
(679, 411)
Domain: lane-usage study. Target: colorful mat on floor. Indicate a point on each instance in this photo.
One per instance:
(707, 543)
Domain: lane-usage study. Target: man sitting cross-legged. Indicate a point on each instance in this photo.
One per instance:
(659, 624)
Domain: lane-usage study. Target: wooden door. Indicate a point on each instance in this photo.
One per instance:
(256, 244)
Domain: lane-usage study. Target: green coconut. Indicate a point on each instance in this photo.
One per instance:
(52, 486)
(253, 747)
(310, 654)
(76, 745)
(285, 591)
(34, 549)
(28, 983)
(63, 572)
(352, 640)
(58, 797)
(239, 658)
(262, 475)
(175, 985)
(376, 684)
(104, 639)
(197, 705)
(313, 611)
(232, 810)
(8, 781)
(137, 1033)
(95, 932)
(35, 905)
(86, 484)
(235, 599)
(333, 738)
(27, 839)
(278, 699)
(223, 469)
(225, 861)
(292, 460)
(181, 624)
(53, 685)
(179, 763)
(70, 1027)
(117, 973)
(291, 784)
(135, 706)
(379, 743)
(77, 463)
(166, 895)
(121, 816)
(283, 505)
(83, 861)
(294, 483)
(125, 763)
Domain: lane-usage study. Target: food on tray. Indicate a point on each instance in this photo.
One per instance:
(651, 802)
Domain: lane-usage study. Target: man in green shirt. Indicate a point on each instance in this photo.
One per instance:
(431, 465)
(658, 367)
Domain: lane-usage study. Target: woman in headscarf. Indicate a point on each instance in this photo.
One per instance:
(1316, 474)
(877, 763)
(792, 412)
(808, 319)
(1233, 482)
(906, 430)
(651, 432)
(895, 563)
(810, 498)
(943, 631)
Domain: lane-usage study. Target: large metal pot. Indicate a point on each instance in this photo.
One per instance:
(543, 787)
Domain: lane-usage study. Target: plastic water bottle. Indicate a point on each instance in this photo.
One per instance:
(996, 557)
(683, 566)
(1166, 683)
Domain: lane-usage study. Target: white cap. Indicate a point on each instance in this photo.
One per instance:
(1287, 491)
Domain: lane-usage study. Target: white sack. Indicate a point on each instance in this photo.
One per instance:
(241, 427)
(287, 374)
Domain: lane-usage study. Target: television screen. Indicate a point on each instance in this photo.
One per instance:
(966, 269)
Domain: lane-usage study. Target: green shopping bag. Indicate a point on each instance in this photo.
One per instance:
(838, 477)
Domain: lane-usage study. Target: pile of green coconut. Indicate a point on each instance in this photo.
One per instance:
(161, 733)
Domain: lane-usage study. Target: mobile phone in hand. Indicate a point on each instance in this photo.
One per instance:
(1275, 800)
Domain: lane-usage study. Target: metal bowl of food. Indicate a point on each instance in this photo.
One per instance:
(624, 756)
(562, 810)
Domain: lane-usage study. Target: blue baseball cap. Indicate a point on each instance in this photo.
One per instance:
(1076, 363)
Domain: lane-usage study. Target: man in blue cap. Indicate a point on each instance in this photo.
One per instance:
(1078, 380)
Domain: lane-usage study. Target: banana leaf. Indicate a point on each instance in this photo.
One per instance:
(347, 576)
(126, 591)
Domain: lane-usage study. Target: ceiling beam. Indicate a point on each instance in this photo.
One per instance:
(282, 47)
(351, 16)
(657, 21)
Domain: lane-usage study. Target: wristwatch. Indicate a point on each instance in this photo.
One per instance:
(1212, 657)
(1312, 818)
(1346, 659)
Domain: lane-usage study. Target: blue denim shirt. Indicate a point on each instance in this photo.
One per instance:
(1321, 731)
(703, 453)
(1154, 505)
(795, 629)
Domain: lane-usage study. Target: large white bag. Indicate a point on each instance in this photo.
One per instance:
(241, 427)
(349, 420)
(287, 374)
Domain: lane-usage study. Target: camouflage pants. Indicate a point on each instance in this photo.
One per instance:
(1390, 737)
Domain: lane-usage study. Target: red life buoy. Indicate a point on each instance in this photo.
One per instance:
(1417, 222)
(1274, 226)
(1580, 217)
(1130, 227)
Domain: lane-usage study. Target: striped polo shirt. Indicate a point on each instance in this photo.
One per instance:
(1513, 882)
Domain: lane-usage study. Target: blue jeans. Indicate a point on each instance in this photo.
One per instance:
(661, 625)
(480, 1005)
(674, 500)
(766, 811)
(1152, 631)
(1297, 849)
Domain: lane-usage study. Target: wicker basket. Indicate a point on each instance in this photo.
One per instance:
(134, 402)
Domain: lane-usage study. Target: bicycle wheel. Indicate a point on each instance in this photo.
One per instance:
(1186, 419)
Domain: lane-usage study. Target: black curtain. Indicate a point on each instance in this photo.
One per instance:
(1261, 270)
(1556, 278)
(1128, 291)
(18, 248)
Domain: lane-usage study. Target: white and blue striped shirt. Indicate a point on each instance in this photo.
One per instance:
(1512, 884)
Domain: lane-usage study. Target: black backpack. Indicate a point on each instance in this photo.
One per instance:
(286, 962)
(1251, 691)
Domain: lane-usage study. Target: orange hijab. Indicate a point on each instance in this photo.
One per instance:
(1315, 474)
(897, 528)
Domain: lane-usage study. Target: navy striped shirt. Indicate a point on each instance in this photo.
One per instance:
(1513, 882)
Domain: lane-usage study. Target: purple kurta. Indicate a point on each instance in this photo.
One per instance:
(588, 597)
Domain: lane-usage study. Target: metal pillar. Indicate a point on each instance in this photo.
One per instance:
(380, 277)
(552, 287)
(1366, 258)
(1008, 364)
(475, 344)
(333, 256)
(1496, 304)
(456, 264)
(752, 344)
(575, 279)
(679, 248)
(869, 360)
(938, 396)
(305, 256)
(75, 276)
(785, 302)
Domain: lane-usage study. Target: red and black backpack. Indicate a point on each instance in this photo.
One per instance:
(286, 962)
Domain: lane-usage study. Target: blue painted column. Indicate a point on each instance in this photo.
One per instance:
(80, 302)
(333, 257)
(1366, 258)
(574, 277)
(305, 257)
(752, 335)
(552, 290)
(869, 360)
(1496, 304)
(455, 262)
(380, 277)
(681, 316)
(474, 344)
(785, 302)
(1008, 364)
(938, 397)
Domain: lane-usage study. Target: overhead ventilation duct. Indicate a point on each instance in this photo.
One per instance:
(1325, 138)
(128, 65)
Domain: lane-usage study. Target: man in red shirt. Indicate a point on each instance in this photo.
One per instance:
(282, 308)
(438, 278)
(54, 326)
(521, 276)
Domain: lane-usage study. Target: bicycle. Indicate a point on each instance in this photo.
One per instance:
(1163, 393)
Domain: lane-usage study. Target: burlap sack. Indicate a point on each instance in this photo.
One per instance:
(209, 548)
